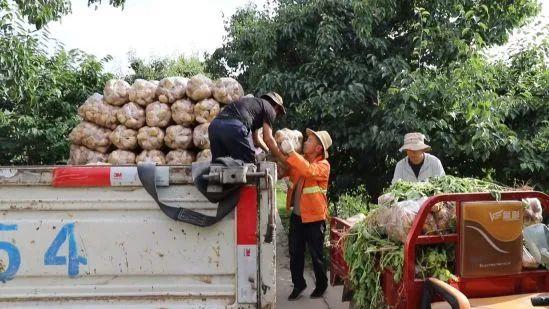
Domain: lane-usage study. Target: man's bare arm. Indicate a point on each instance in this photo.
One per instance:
(259, 141)
(271, 143)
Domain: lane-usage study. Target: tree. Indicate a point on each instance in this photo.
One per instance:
(158, 68)
(115, 3)
(39, 93)
(37, 13)
(40, 12)
(485, 120)
(333, 60)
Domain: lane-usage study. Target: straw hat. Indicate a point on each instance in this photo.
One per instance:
(276, 99)
(324, 139)
(414, 141)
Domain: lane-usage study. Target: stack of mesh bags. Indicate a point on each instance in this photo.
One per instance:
(164, 121)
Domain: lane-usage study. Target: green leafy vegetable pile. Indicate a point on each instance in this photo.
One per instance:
(405, 190)
(368, 250)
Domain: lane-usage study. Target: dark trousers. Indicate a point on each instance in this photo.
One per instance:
(312, 235)
(231, 138)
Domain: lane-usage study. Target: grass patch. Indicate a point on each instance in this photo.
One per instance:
(281, 205)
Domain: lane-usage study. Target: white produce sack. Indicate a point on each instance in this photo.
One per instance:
(158, 114)
(97, 111)
(122, 157)
(204, 156)
(199, 87)
(206, 110)
(227, 90)
(131, 115)
(80, 155)
(92, 136)
(294, 136)
(143, 92)
(150, 138)
(179, 137)
(154, 155)
(124, 138)
(183, 112)
(533, 212)
(180, 156)
(396, 219)
(200, 136)
(117, 92)
(171, 89)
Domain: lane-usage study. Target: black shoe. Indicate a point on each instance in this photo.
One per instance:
(296, 293)
(319, 292)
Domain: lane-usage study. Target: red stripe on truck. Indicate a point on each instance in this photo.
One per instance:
(246, 216)
(81, 176)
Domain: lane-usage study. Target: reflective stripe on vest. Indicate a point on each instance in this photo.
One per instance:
(315, 189)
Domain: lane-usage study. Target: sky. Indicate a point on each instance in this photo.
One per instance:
(150, 28)
(168, 28)
(532, 33)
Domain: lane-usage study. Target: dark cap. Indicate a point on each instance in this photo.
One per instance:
(275, 98)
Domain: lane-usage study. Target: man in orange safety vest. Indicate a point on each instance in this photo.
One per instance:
(306, 196)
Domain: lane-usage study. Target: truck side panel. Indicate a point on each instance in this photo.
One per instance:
(75, 243)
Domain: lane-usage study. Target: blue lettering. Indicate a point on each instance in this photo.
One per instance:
(51, 257)
(14, 257)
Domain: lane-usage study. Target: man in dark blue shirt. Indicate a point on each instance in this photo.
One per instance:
(233, 132)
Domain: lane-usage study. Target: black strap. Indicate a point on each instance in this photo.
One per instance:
(147, 175)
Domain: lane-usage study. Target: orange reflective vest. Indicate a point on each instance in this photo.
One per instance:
(313, 201)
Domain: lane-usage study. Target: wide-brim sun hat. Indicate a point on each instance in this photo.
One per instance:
(414, 141)
(276, 99)
(324, 138)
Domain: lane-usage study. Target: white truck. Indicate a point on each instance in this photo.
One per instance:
(92, 236)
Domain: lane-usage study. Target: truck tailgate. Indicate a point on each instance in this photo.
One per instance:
(111, 245)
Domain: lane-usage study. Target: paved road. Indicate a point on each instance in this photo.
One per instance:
(332, 298)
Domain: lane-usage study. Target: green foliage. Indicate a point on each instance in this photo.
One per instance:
(438, 32)
(479, 118)
(37, 13)
(281, 206)
(39, 93)
(349, 67)
(437, 262)
(350, 203)
(369, 253)
(115, 3)
(407, 190)
(37, 115)
(158, 68)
